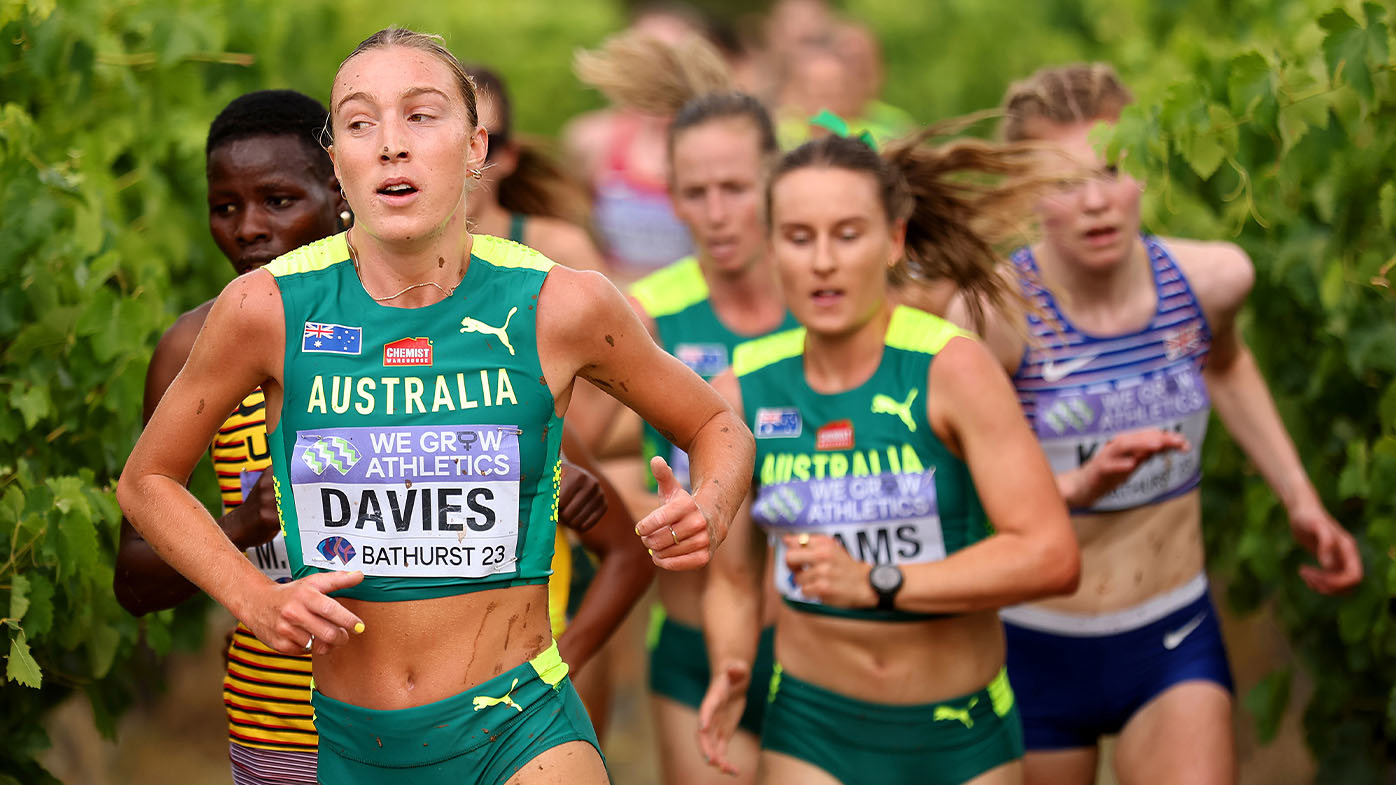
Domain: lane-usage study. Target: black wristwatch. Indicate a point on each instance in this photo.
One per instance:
(886, 580)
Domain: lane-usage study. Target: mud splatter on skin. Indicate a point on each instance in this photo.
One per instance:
(1138, 577)
(440, 261)
(602, 383)
(407, 482)
(201, 407)
(725, 429)
(610, 340)
(543, 381)
(475, 645)
(509, 631)
(625, 386)
(669, 437)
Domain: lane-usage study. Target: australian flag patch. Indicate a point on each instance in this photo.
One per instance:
(777, 423)
(331, 338)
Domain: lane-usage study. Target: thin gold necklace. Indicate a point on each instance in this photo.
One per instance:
(354, 258)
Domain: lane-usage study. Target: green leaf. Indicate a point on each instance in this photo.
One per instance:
(68, 496)
(1251, 82)
(101, 648)
(1303, 105)
(1346, 47)
(1267, 702)
(21, 666)
(32, 402)
(19, 597)
(1330, 289)
(40, 617)
(1352, 483)
(1386, 201)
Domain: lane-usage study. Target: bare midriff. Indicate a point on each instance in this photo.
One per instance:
(1130, 556)
(898, 663)
(416, 652)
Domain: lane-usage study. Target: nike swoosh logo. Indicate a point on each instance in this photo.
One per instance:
(1056, 371)
(1172, 640)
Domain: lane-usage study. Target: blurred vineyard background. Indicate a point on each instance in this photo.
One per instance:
(1267, 122)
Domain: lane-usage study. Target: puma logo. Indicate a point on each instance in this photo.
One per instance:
(950, 713)
(469, 325)
(886, 404)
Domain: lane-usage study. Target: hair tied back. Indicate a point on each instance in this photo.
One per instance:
(839, 127)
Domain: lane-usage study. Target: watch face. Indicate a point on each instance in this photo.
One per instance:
(885, 577)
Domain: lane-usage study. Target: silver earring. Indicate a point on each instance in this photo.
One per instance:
(344, 216)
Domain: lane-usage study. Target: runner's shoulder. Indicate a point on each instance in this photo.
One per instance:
(1221, 274)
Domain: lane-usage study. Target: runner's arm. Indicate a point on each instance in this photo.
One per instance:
(142, 581)
(217, 376)
(621, 578)
(1032, 551)
(617, 354)
(1243, 402)
(732, 597)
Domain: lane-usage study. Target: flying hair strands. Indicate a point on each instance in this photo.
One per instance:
(641, 73)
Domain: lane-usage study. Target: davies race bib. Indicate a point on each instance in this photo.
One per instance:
(409, 501)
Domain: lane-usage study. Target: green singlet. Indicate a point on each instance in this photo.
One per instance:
(676, 297)
(416, 444)
(862, 465)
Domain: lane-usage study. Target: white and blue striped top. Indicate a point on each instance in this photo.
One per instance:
(1078, 390)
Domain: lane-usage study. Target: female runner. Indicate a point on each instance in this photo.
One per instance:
(1133, 332)
(414, 435)
(887, 443)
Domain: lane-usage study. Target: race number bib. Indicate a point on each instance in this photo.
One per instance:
(269, 557)
(878, 519)
(1072, 425)
(409, 501)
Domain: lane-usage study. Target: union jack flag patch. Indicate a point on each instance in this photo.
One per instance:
(331, 338)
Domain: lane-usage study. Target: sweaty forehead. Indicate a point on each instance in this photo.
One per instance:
(384, 75)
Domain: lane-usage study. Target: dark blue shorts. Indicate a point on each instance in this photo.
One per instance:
(1074, 687)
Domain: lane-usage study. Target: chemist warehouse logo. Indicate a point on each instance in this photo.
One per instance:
(331, 451)
(407, 351)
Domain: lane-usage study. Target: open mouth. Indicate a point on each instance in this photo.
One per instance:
(826, 296)
(1101, 235)
(397, 188)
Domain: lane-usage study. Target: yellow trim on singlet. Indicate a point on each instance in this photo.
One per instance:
(769, 350)
(507, 253)
(917, 331)
(267, 696)
(309, 258)
(245, 430)
(671, 289)
(560, 583)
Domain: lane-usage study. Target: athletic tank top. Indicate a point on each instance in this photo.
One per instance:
(862, 465)
(266, 694)
(635, 220)
(676, 297)
(418, 445)
(1078, 390)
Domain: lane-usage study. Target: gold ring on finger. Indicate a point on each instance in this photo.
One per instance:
(674, 535)
(803, 539)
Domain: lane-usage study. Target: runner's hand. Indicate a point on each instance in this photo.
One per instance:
(824, 571)
(288, 614)
(721, 711)
(581, 502)
(1114, 462)
(255, 521)
(679, 534)
(1339, 563)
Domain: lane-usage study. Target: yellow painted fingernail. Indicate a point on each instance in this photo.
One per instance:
(651, 550)
(359, 627)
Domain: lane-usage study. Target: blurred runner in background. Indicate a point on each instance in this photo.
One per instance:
(1129, 342)
(620, 153)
